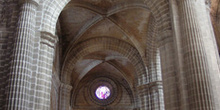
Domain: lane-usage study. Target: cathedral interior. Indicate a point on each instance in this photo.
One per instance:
(109, 54)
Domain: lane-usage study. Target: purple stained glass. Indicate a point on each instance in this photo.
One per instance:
(102, 92)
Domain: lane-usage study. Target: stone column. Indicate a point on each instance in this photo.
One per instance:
(65, 97)
(21, 66)
(156, 86)
(154, 79)
(198, 64)
(144, 97)
(151, 96)
(9, 14)
(44, 74)
(156, 96)
(169, 76)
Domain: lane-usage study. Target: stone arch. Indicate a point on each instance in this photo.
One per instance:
(105, 43)
(51, 11)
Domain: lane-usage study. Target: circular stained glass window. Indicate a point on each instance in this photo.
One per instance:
(102, 92)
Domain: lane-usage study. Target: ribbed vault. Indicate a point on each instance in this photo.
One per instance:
(81, 52)
(108, 39)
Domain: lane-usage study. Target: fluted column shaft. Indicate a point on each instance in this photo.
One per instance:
(20, 70)
(65, 97)
(45, 68)
(196, 69)
(8, 22)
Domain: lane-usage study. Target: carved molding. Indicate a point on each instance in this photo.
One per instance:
(149, 86)
(49, 39)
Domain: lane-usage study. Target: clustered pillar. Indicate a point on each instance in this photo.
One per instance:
(20, 72)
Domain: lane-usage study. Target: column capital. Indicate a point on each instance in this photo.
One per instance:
(35, 2)
(48, 39)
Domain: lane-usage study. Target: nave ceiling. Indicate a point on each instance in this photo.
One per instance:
(124, 21)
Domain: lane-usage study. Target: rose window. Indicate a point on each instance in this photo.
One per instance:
(102, 92)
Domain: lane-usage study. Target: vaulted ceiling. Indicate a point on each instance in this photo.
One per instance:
(124, 20)
(105, 37)
(108, 37)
